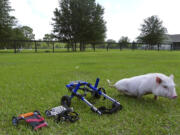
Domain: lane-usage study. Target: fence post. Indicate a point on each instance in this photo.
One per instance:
(68, 46)
(94, 48)
(107, 47)
(120, 46)
(132, 46)
(171, 47)
(53, 47)
(75, 45)
(35, 47)
(14, 46)
(158, 47)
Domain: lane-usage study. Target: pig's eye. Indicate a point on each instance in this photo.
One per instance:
(165, 87)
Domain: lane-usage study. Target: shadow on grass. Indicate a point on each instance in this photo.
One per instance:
(146, 103)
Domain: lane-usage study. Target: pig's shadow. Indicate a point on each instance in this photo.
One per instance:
(145, 102)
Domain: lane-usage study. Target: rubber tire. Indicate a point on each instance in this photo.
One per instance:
(14, 121)
(66, 101)
(48, 113)
(75, 117)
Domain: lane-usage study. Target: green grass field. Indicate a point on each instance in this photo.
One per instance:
(36, 81)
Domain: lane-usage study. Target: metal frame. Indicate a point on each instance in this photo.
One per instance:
(75, 86)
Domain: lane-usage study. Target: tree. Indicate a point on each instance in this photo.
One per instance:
(18, 34)
(79, 21)
(48, 37)
(111, 41)
(6, 20)
(28, 32)
(123, 42)
(152, 31)
(22, 33)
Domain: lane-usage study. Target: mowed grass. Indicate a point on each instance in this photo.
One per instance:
(36, 81)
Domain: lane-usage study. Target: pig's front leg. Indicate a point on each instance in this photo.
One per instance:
(155, 97)
(140, 93)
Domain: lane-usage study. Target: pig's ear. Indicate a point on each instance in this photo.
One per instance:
(171, 76)
(158, 80)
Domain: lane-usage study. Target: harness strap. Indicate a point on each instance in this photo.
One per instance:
(115, 108)
(36, 121)
(39, 119)
(41, 125)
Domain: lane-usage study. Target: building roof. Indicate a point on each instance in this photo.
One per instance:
(173, 38)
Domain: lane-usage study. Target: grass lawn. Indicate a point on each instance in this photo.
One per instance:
(36, 81)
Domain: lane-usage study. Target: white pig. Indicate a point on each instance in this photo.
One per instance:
(152, 83)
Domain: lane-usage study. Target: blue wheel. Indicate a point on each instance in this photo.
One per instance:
(48, 113)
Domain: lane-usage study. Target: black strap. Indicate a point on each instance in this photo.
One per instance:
(115, 108)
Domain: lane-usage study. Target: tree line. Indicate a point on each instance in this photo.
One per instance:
(9, 27)
(78, 22)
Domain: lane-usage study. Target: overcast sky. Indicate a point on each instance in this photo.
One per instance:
(123, 17)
